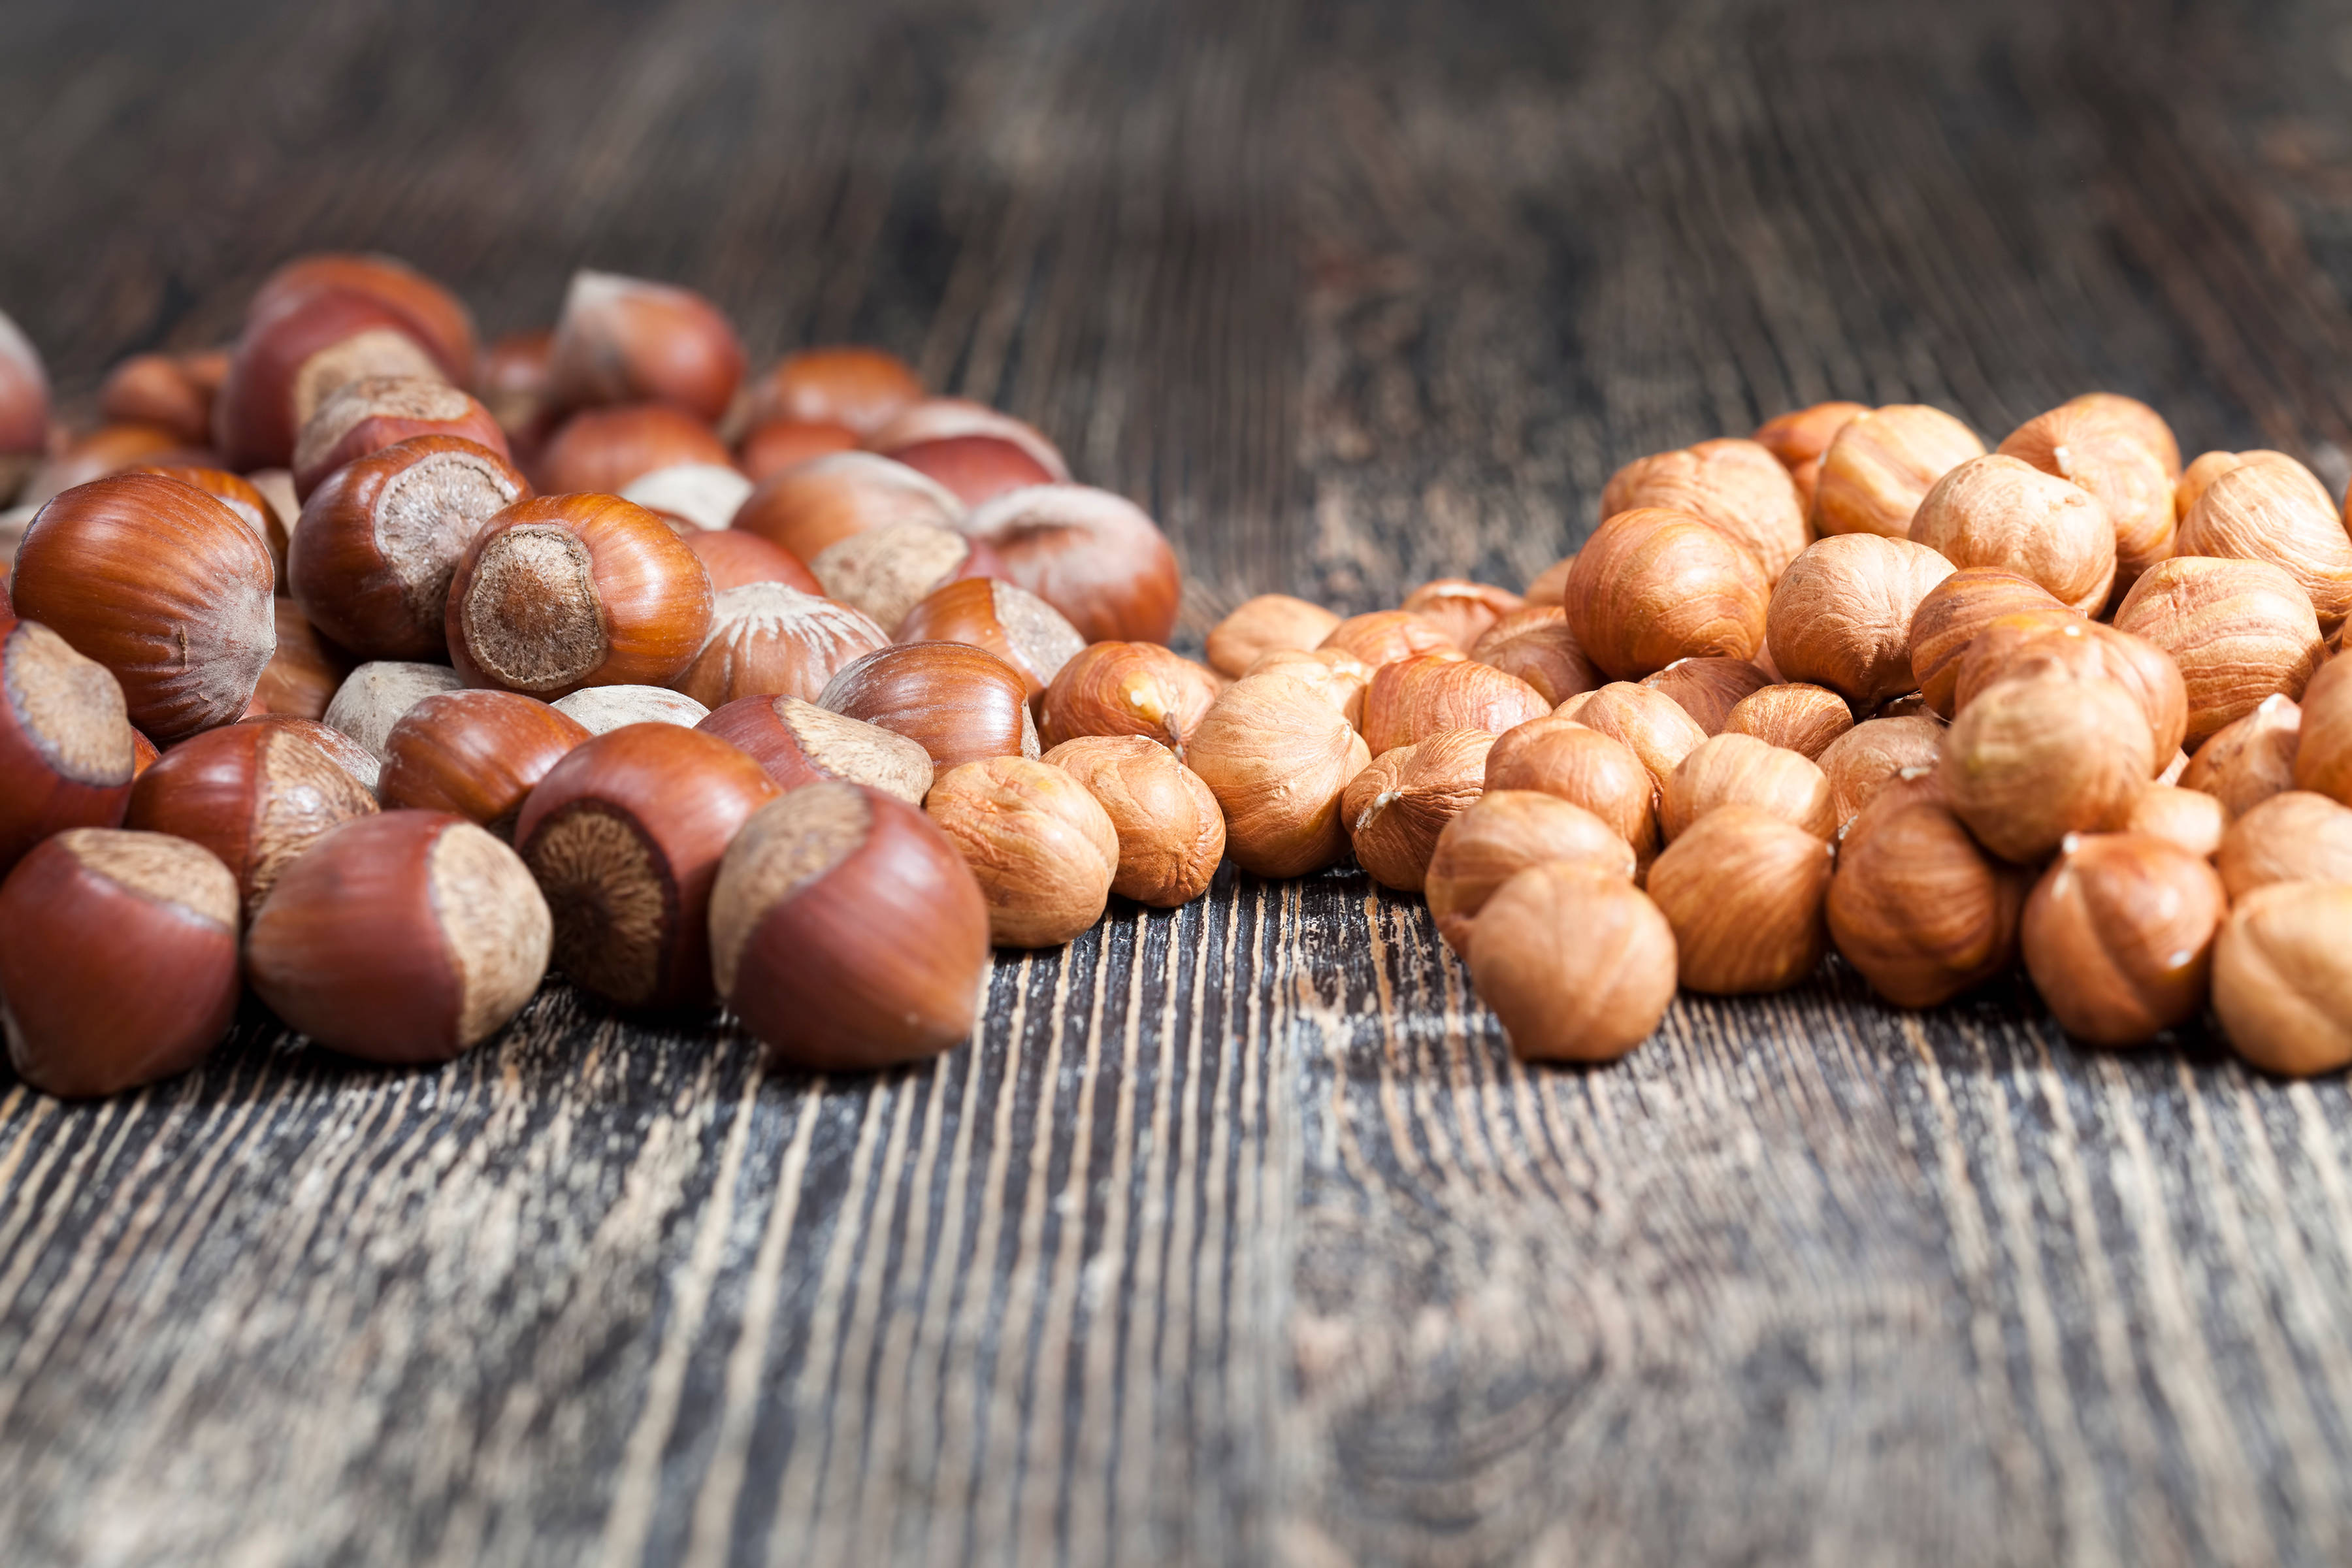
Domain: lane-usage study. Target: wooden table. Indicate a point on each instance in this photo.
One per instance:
(1236, 1235)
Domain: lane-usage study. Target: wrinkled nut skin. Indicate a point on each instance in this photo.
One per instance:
(373, 412)
(1535, 644)
(2239, 631)
(1708, 689)
(2111, 456)
(161, 583)
(2144, 423)
(2263, 512)
(603, 451)
(2038, 643)
(859, 389)
(476, 754)
(625, 340)
(1841, 616)
(1010, 622)
(118, 961)
(2249, 761)
(2118, 936)
(766, 639)
(1127, 689)
(1738, 487)
(2297, 837)
(1340, 678)
(1739, 770)
(67, 753)
(1577, 763)
(1092, 556)
(1413, 698)
(256, 796)
(294, 355)
(1277, 754)
(1800, 438)
(407, 938)
(1464, 610)
(812, 506)
(1403, 800)
(847, 932)
(1915, 906)
(1953, 614)
(2037, 757)
(960, 703)
(1501, 834)
(1881, 464)
(1042, 847)
(799, 743)
(1547, 586)
(1171, 833)
(1577, 964)
(2283, 978)
(2191, 486)
(2323, 758)
(1803, 718)
(734, 559)
(1744, 892)
(1651, 723)
(1651, 586)
(1268, 624)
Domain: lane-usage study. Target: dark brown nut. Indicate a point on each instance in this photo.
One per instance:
(1383, 636)
(769, 640)
(2239, 631)
(1652, 586)
(1535, 644)
(1651, 723)
(603, 451)
(1127, 689)
(408, 937)
(2036, 643)
(67, 753)
(374, 697)
(1268, 624)
(1739, 770)
(2037, 757)
(1574, 763)
(1465, 611)
(859, 389)
(975, 451)
(1501, 834)
(1708, 689)
(1547, 585)
(1806, 719)
(1954, 613)
(1042, 847)
(1171, 833)
(2110, 457)
(2323, 757)
(376, 411)
(1881, 464)
(155, 390)
(437, 318)
(1744, 891)
(2118, 936)
(735, 559)
(117, 958)
(2250, 760)
(960, 703)
(2003, 513)
(474, 755)
(513, 382)
(1403, 800)
(114, 449)
(623, 340)
(1841, 616)
(1092, 556)
(771, 446)
(1010, 622)
(1578, 965)
(1276, 754)
(241, 496)
(1341, 678)
(691, 495)
(2191, 485)
(2189, 818)
(1738, 487)
(295, 355)
(1870, 756)
(2263, 512)
(2143, 422)
(256, 796)
(564, 591)
(2296, 837)
(800, 743)
(1415, 697)
(164, 585)
(886, 572)
(1800, 438)
(1917, 907)
(812, 506)
(2282, 978)
(846, 932)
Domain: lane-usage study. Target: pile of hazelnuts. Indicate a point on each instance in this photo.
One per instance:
(375, 671)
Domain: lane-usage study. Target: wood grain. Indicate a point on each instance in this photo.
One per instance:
(1237, 1235)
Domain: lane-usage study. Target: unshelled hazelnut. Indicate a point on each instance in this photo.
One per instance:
(1739, 770)
(799, 743)
(960, 703)
(1651, 586)
(295, 355)
(2263, 512)
(513, 381)
(1547, 585)
(1578, 965)
(886, 572)
(1501, 834)
(1127, 689)
(1650, 722)
(700, 495)
(257, 796)
(1881, 464)
(623, 339)
(1800, 438)
(2239, 631)
(407, 937)
(376, 411)
(372, 698)
(846, 932)
(1268, 624)
(2323, 757)
(1953, 613)
(118, 960)
(1804, 718)
(1415, 697)
(2296, 836)
(155, 390)
(2006, 513)
(1595, 772)
(474, 755)
(1092, 556)
(1917, 907)
(2038, 643)
(1465, 611)
(1535, 644)
(975, 451)
(859, 389)
(1010, 622)
(1841, 616)
(341, 750)
(112, 449)
(2251, 759)
(766, 639)
(1868, 757)
(1042, 847)
(1708, 689)
(1171, 833)
(2282, 978)
(24, 408)
(1404, 797)
(603, 451)
(1743, 890)
(67, 753)
(2191, 485)
(242, 496)
(2118, 936)
(1383, 636)
(164, 585)
(563, 592)
(2037, 757)
(771, 446)
(1276, 754)
(2189, 818)
(734, 559)
(2144, 423)
(602, 710)
(812, 506)
(437, 319)
(2110, 457)
(1341, 678)
(1739, 487)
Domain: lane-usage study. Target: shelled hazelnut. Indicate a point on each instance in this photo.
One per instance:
(1868, 757)
(1465, 611)
(1738, 487)
(2005, 513)
(1042, 847)
(2118, 936)
(1651, 586)
(1397, 806)
(1127, 689)
(886, 572)
(2036, 643)
(2189, 818)
(1800, 438)
(1269, 623)
(1708, 689)
(1915, 906)
(1881, 464)
(1383, 636)
(1535, 644)
(1341, 678)
(2323, 756)
(1010, 622)
(1547, 585)
(1806, 719)
(2037, 757)
(799, 743)
(1501, 834)
(1592, 770)
(1739, 770)
(1276, 754)
(960, 703)
(295, 355)
(1841, 616)
(2144, 423)
(1955, 613)
(766, 639)
(1578, 965)
(2263, 512)
(623, 339)
(257, 796)
(859, 389)
(376, 411)
(603, 451)
(812, 506)
(605, 708)
(1171, 834)
(374, 696)
(1651, 723)
(1092, 556)
(2282, 978)
(2296, 837)
(474, 755)
(2190, 485)
(700, 495)
(734, 559)
(2251, 759)
(68, 753)
(1415, 697)
(2239, 631)
(2111, 456)
(1743, 891)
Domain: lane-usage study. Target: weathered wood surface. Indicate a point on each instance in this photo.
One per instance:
(1236, 1235)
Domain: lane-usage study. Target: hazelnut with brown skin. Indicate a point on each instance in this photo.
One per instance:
(1743, 891)
(1592, 770)
(1708, 689)
(1127, 689)
(2002, 512)
(2037, 757)
(1578, 965)
(1870, 756)
(1739, 487)
(67, 753)
(1547, 585)
(1651, 586)
(1092, 556)
(474, 755)
(960, 703)
(2035, 643)
(2145, 424)
(1535, 644)
(1800, 438)
(1841, 616)
(297, 353)
(1398, 805)
(1010, 622)
(886, 572)
(603, 451)
(2323, 758)
(1739, 770)
(1880, 466)
(2249, 761)
(2190, 486)
(513, 383)
(625, 340)
(2189, 818)
(812, 506)
(2282, 978)
(1341, 678)
(373, 412)
(1917, 907)
(1501, 834)
(1171, 834)
(437, 318)
(257, 796)
(799, 743)
(1651, 724)
(1464, 610)
(2296, 837)
(1806, 719)
(2238, 630)
(1415, 697)
(1042, 847)
(1383, 636)
(1276, 754)
(2118, 936)
(2111, 458)
(1271, 623)
(2263, 512)
(1955, 613)
(766, 640)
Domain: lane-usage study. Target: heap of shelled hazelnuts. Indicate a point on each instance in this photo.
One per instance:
(799, 693)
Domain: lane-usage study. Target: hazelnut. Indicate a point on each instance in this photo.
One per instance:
(1090, 554)
(774, 444)
(2250, 760)
(2296, 837)
(118, 960)
(700, 495)
(1465, 611)
(2282, 978)
(241, 496)
(1951, 616)
(2110, 457)
(257, 796)
(378, 542)
(1404, 797)
(2118, 936)
(1806, 719)
(846, 932)
(2189, 818)
(564, 591)
(303, 673)
(2036, 642)
(600, 710)
(1010, 622)
(1340, 678)
(2210, 466)
(376, 411)
(24, 408)
(1738, 487)
(164, 585)
(513, 382)
(1841, 616)
(341, 749)
(437, 318)
(295, 355)
(623, 340)
(1800, 438)
(155, 390)
(2037, 757)
(372, 698)
(1739, 770)
(1708, 689)
(800, 743)
(1651, 586)
(887, 571)
(1597, 773)
(2144, 423)
(975, 451)
(1383, 636)
(735, 559)
(1415, 697)
(1743, 891)
(1535, 644)
(1915, 906)
(766, 639)
(603, 451)
(2002, 512)
(1547, 586)
(474, 755)
(1268, 624)
(960, 703)
(1881, 464)
(1868, 757)
(623, 836)
(812, 506)
(1501, 834)
(1651, 723)
(1578, 965)
(859, 389)
(67, 753)
(2323, 758)
(1041, 847)
(2263, 512)
(1127, 689)
(2239, 631)
(408, 937)
(1171, 834)
(1276, 754)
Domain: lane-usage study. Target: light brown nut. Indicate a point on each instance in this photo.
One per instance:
(1271, 623)
(1652, 723)
(2118, 936)
(1744, 892)
(2265, 511)
(1412, 699)
(2250, 760)
(1385, 636)
(2111, 455)
(1276, 754)
(2005, 513)
(1870, 756)
(1739, 770)
(1841, 616)
(1535, 644)
(1739, 487)
(2282, 978)
(1403, 800)
(1464, 610)
(1881, 464)
(1805, 719)
(2038, 643)
(2323, 758)
(1170, 832)
(2297, 837)
(2193, 820)
(1954, 613)
(2037, 757)
(1917, 907)
(1651, 586)
(2239, 630)
(1341, 677)
(1585, 767)
(1577, 963)
(1501, 834)
(1708, 689)
(1041, 847)
(1127, 689)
